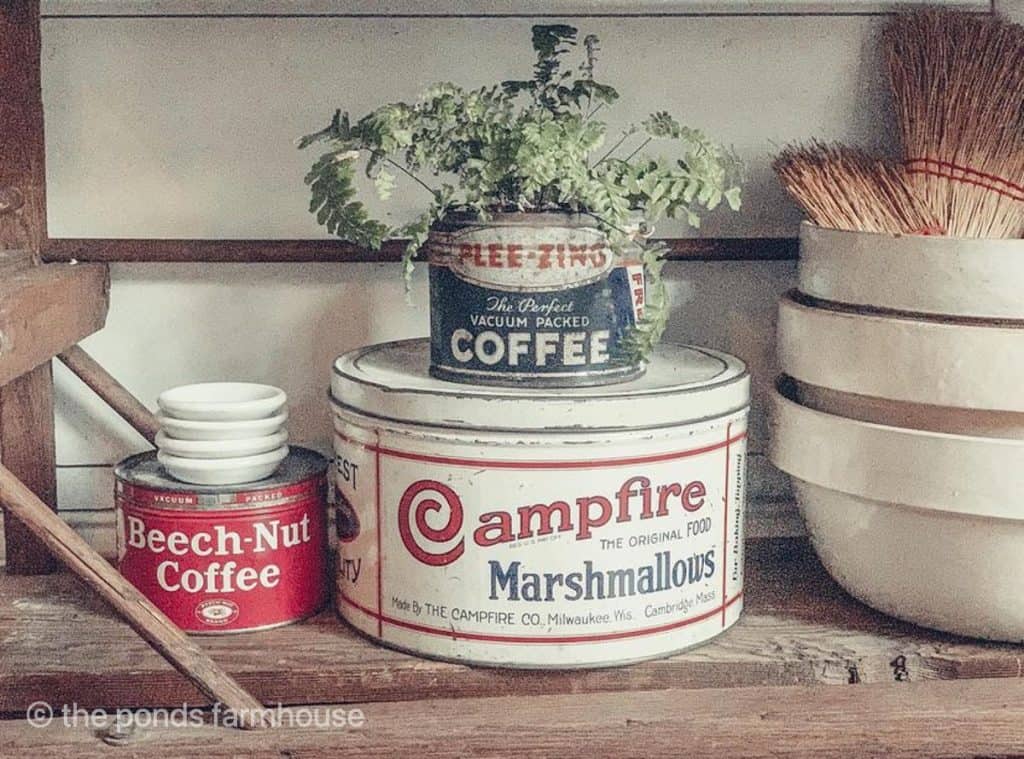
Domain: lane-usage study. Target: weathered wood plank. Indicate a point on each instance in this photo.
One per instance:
(26, 403)
(15, 261)
(46, 309)
(282, 251)
(980, 718)
(27, 448)
(43, 310)
(799, 628)
(22, 165)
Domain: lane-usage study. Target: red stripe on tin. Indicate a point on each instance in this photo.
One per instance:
(213, 513)
(170, 499)
(506, 464)
(595, 638)
(725, 526)
(380, 554)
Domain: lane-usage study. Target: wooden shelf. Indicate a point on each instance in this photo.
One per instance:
(57, 642)
(980, 719)
(473, 8)
(876, 676)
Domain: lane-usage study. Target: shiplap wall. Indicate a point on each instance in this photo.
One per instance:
(183, 127)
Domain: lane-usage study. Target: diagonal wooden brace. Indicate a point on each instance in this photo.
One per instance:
(116, 395)
(148, 621)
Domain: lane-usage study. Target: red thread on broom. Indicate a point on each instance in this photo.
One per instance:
(946, 170)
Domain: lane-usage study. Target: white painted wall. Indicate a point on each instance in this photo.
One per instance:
(183, 127)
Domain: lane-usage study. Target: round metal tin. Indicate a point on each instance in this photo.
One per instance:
(533, 300)
(682, 384)
(225, 559)
(525, 528)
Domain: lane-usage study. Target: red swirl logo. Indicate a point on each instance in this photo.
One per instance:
(418, 501)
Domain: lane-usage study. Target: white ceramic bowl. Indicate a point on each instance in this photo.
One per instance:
(950, 572)
(223, 471)
(220, 449)
(188, 429)
(919, 416)
(974, 277)
(222, 401)
(937, 361)
(925, 526)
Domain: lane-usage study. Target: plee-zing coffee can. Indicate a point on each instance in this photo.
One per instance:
(225, 559)
(532, 300)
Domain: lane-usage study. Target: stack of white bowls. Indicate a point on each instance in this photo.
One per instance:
(901, 420)
(222, 433)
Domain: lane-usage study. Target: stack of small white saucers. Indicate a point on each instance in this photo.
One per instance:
(222, 433)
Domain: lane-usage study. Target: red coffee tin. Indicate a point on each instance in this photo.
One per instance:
(225, 559)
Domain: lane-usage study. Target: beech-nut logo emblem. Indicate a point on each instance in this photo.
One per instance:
(217, 612)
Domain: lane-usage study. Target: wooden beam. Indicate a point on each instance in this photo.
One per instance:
(116, 395)
(906, 720)
(26, 398)
(306, 251)
(27, 449)
(47, 309)
(44, 309)
(22, 164)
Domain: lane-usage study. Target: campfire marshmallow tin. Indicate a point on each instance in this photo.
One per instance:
(533, 528)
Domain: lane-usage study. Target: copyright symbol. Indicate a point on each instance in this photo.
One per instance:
(39, 714)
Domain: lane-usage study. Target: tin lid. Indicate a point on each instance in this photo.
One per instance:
(682, 384)
(143, 471)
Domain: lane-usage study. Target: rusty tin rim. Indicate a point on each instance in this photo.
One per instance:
(682, 385)
(142, 482)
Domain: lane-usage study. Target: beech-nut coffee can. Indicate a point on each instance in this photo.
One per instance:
(528, 528)
(225, 559)
(532, 299)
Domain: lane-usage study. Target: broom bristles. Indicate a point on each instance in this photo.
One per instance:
(845, 188)
(958, 86)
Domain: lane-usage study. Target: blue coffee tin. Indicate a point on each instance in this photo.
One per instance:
(531, 299)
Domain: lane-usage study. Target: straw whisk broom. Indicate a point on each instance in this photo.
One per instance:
(846, 188)
(958, 86)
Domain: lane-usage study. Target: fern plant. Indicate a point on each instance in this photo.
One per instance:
(536, 144)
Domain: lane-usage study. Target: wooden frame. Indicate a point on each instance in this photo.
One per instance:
(44, 309)
(333, 250)
(302, 251)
